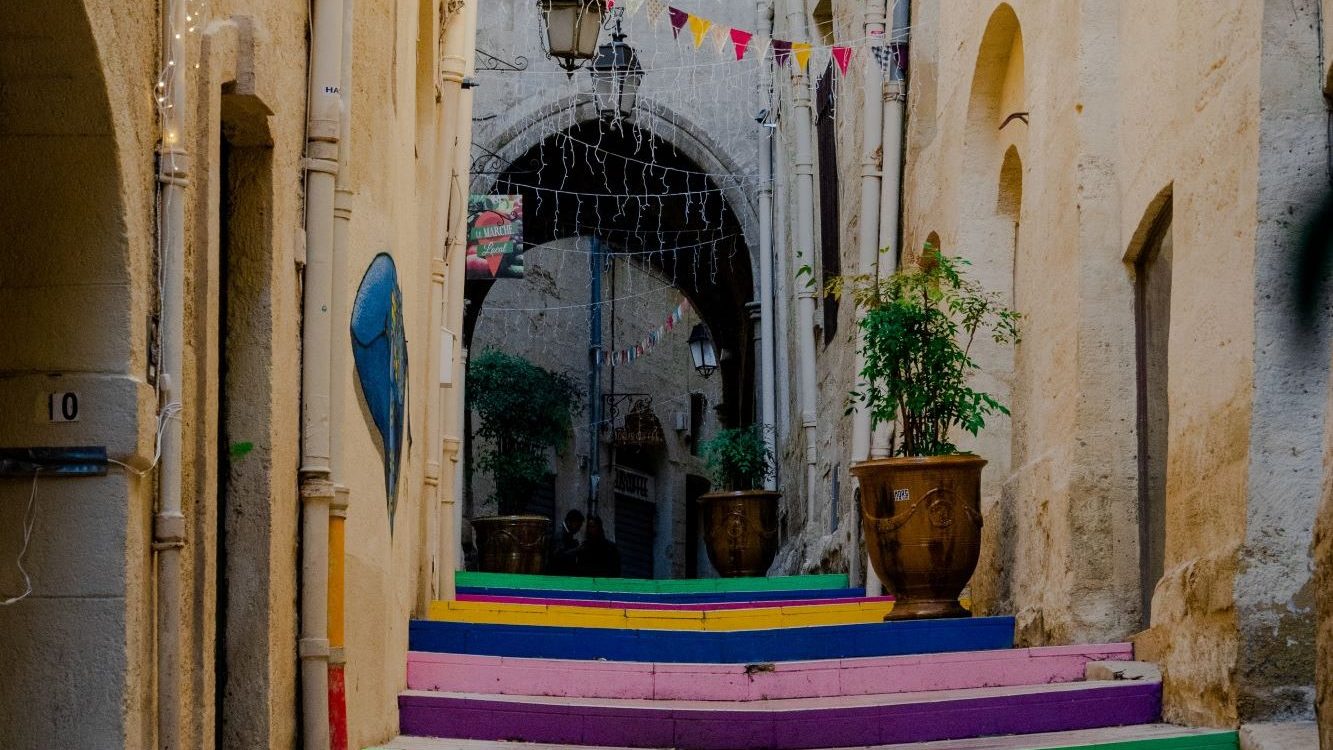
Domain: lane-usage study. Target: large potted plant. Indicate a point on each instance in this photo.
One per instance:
(922, 506)
(740, 521)
(524, 411)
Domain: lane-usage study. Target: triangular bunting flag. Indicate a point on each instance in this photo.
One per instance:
(656, 8)
(843, 57)
(801, 51)
(781, 52)
(632, 6)
(721, 36)
(678, 20)
(741, 40)
(699, 28)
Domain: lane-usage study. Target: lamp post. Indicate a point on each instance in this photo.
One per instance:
(572, 29)
(616, 75)
(703, 351)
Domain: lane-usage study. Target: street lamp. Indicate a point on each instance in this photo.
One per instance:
(572, 28)
(616, 75)
(702, 350)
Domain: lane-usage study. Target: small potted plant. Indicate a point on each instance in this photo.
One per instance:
(524, 411)
(740, 520)
(922, 507)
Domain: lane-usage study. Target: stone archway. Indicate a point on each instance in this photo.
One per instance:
(75, 284)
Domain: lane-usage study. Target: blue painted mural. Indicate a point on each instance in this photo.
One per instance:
(379, 348)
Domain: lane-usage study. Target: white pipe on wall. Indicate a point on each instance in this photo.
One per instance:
(444, 452)
(872, 162)
(890, 214)
(768, 341)
(341, 309)
(807, 288)
(323, 130)
(169, 523)
(460, 187)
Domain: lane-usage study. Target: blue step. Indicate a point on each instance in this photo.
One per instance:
(725, 647)
(694, 598)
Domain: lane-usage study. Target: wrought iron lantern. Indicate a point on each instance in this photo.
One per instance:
(572, 30)
(616, 75)
(703, 351)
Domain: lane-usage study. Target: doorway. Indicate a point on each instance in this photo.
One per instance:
(1152, 310)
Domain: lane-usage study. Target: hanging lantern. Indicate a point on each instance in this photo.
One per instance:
(572, 29)
(616, 75)
(702, 350)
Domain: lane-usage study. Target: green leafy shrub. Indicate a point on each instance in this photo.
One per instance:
(917, 334)
(523, 410)
(739, 459)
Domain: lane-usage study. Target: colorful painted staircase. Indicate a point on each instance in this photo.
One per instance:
(785, 663)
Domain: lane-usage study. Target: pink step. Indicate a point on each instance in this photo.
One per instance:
(496, 675)
(666, 606)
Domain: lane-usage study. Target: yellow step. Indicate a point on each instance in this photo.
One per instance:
(490, 613)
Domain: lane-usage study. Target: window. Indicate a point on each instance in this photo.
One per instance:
(830, 247)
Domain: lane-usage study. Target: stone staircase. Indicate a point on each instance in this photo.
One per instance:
(786, 663)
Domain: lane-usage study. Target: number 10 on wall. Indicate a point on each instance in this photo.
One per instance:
(62, 407)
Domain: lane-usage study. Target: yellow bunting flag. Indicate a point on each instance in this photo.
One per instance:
(699, 27)
(632, 6)
(801, 51)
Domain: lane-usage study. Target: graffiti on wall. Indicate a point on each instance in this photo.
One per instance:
(379, 349)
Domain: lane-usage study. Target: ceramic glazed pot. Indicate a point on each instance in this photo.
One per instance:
(923, 529)
(740, 531)
(512, 544)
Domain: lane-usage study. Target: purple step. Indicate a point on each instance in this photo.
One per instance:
(797, 724)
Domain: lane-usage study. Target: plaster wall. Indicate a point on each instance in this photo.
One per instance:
(79, 295)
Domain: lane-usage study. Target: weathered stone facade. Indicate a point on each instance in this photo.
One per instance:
(1061, 148)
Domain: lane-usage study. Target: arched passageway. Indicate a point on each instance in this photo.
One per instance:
(68, 299)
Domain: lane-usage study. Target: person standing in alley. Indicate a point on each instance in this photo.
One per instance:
(565, 545)
(597, 556)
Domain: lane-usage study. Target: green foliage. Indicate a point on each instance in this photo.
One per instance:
(523, 410)
(917, 333)
(739, 459)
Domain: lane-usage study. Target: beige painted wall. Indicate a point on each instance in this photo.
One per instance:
(78, 293)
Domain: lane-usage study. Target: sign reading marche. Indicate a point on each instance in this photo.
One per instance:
(495, 237)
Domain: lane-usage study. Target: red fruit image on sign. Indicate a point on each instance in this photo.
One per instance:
(495, 235)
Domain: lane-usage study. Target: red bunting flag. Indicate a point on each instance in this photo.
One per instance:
(678, 20)
(781, 52)
(842, 56)
(741, 39)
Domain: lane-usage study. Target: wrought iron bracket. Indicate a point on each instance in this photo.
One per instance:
(488, 61)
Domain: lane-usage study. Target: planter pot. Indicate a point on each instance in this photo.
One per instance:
(923, 529)
(740, 531)
(512, 544)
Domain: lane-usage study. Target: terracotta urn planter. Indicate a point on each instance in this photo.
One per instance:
(740, 531)
(922, 521)
(512, 544)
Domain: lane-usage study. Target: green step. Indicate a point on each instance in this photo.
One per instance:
(1210, 741)
(641, 586)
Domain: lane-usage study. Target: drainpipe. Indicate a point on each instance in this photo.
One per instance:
(803, 114)
(461, 188)
(323, 129)
(169, 523)
(341, 365)
(872, 163)
(890, 214)
(768, 341)
(444, 450)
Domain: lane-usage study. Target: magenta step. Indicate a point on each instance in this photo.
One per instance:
(799, 724)
(667, 606)
(496, 675)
